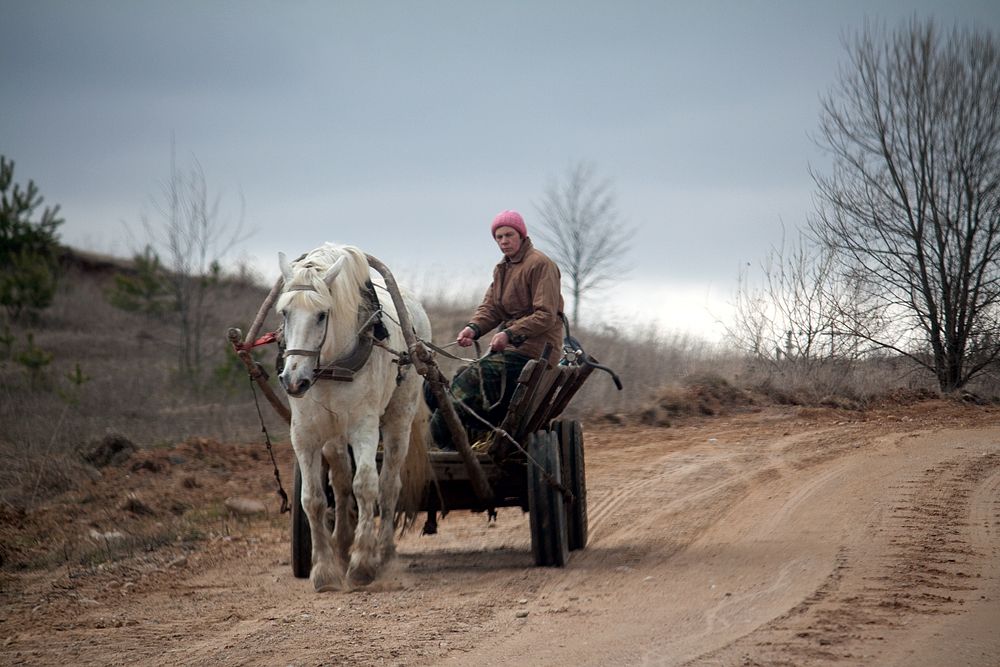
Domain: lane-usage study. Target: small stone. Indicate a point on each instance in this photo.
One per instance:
(245, 506)
(135, 506)
(521, 614)
(109, 536)
(523, 601)
(180, 561)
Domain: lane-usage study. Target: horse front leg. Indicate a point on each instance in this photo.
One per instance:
(345, 520)
(363, 563)
(324, 574)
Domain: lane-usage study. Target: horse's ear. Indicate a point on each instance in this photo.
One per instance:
(286, 268)
(334, 270)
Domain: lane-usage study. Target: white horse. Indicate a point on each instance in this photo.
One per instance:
(323, 305)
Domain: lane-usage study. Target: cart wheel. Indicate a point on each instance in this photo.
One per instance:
(546, 508)
(301, 538)
(574, 479)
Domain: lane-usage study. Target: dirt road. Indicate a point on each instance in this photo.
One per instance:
(783, 537)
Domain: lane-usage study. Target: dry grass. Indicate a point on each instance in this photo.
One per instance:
(126, 384)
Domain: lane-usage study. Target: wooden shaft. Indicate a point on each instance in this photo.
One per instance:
(258, 375)
(426, 366)
(460, 438)
(264, 309)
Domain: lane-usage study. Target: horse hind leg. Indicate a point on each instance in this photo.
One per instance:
(394, 453)
(388, 495)
(396, 441)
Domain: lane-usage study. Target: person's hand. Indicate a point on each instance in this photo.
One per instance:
(465, 337)
(499, 342)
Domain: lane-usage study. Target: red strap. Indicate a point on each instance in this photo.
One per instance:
(263, 340)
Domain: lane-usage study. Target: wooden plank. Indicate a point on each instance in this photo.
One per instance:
(534, 390)
(549, 389)
(527, 381)
(569, 390)
(543, 392)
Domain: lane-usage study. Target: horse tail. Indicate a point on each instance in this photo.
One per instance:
(416, 468)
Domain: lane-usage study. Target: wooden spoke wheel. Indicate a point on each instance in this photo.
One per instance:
(546, 507)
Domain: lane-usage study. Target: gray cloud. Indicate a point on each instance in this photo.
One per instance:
(397, 124)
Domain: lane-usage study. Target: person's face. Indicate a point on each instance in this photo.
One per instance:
(508, 239)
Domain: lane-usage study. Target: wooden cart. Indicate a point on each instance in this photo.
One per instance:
(535, 460)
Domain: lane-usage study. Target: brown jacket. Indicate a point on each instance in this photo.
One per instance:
(525, 300)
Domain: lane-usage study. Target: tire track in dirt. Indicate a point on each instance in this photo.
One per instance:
(929, 562)
(687, 470)
(642, 525)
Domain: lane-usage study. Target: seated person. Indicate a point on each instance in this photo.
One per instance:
(523, 303)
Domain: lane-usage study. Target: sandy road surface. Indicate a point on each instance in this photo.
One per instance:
(784, 537)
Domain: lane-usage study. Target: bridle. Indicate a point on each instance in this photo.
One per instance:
(326, 327)
(372, 330)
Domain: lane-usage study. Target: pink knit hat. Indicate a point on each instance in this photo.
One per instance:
(510, 219)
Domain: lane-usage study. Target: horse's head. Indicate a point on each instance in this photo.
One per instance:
(305, 307)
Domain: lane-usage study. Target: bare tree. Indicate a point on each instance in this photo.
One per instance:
(911, 204)
(194, 239)
(795, 310)
(580, 222)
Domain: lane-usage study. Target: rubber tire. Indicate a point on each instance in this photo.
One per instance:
(574, 479)
(301, 537)
(546, 507)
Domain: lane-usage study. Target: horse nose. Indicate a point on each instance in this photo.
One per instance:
(298, 388)
(291, 386)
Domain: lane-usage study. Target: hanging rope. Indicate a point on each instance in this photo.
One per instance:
(285, 507)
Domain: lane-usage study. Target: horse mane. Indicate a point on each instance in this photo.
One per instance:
(343, 297)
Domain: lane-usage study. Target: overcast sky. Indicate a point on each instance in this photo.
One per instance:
(403, 127)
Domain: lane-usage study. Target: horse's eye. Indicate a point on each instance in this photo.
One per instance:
(321, 317)
(284, 314)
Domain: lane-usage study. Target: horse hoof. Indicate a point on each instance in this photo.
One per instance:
(324, 579)
(360, 577)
